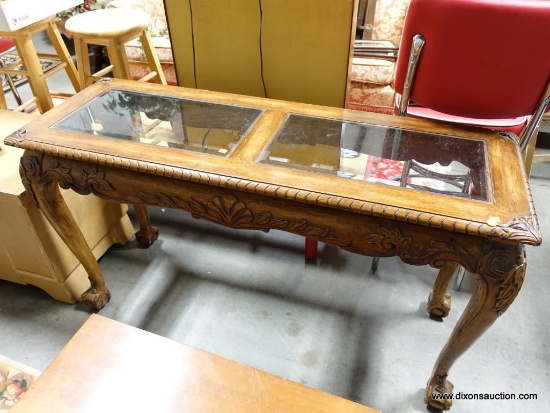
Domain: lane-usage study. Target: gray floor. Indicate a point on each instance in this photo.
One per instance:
(332, 325)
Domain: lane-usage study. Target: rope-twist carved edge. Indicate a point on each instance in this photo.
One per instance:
(521, 230)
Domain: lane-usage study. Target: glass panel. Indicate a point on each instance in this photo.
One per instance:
(383, 155)
(162, 120)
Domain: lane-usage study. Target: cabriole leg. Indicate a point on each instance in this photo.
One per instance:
(47, 196)
(500, 276)
(147, 233)
(439, 301)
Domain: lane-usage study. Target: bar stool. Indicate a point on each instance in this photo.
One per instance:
(112, 28)
(32, 69)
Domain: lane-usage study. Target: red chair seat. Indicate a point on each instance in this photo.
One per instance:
(514, 125)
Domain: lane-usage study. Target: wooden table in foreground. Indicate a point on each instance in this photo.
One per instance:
(376, 185)
(112, 367)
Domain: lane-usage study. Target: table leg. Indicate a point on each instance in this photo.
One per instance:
(147, 233)
(500, 276)
(47, 196)
(439, 301)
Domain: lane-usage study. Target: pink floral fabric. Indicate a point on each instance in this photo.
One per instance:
(134, 51)
(384, 171)
(155, 8)
(374, 71)
(159, 35)
(371, 98)
(371, 79)
(15, 379)
(389, 19)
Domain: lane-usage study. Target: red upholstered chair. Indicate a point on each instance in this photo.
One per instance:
(460, 62)
(8, 46)
(467, 67)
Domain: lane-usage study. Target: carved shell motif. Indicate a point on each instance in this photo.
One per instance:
(229, 211)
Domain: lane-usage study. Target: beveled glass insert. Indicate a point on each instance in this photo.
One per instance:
(163, 120)
(379, 154)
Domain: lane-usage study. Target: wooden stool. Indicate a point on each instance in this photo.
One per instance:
(32, 68)
(112, 28)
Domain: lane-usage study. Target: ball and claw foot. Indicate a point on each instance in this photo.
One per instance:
(96, 301)
(439, 308)
(147, 237)
(439, 392)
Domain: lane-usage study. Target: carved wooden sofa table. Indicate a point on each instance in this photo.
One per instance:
(338, 176)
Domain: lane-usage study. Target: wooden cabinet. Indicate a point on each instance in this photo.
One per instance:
(31, 252)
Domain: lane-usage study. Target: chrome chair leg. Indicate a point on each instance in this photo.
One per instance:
(374, 264)
(459, 278)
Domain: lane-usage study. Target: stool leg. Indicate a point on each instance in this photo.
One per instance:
(35, 75)
(3, 104)
(118, 58)
(63, 53)
(152, 57)
(84, 70)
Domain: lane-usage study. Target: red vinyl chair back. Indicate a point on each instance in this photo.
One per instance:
(6, 45)
(485, 59)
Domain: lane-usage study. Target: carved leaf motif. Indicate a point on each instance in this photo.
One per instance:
(60, 174)
(390, 241)
(511, 285)
(439, 252)
(506, 266)
(17, 138)
(160, 199)
(29, 168)
(95, 181)
(509, 290)
(521, 229)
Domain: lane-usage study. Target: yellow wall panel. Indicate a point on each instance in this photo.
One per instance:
(306, 50)
(296, 50)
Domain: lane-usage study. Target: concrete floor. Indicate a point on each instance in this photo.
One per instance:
(332, 325)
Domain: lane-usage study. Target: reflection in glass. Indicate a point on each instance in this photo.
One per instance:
(162, 120)
(380, 154)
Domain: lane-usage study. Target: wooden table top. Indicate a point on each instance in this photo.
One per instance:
(112, 367)
(253, 162)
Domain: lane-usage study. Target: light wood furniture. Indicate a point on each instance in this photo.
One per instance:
(31, 63)
(108, 365)
(31, 252)
(112, 28)
(296, 50)
(254, 163)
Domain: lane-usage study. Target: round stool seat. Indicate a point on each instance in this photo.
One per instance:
(111, 22)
